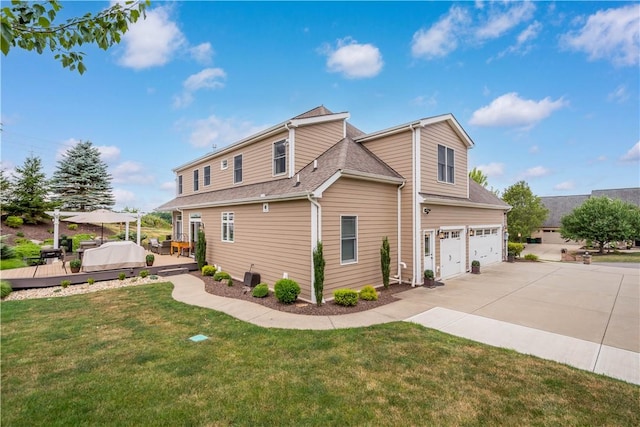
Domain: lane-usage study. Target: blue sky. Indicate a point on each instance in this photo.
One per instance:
(548, 91)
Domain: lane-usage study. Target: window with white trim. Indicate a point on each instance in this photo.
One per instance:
(279, 157)
(446, 162)
(227, 227)
(224, 164)
(196, 180)
(348, 239)
(237, 169)
(207, 176)
(179, 184)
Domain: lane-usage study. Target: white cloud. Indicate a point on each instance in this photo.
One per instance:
(536, 172)
(534, 149)
(612, 34)
(421, 101)
(619, 94)
(124, 197)
(523, 45)
(511, 110)
(492, 169)
(109, 153)
(566, 185)
(168, 186)
(217, 131)
(500, 21)
(633, 155)
(209, 78)
(353, 60)
(152, 41)
(202, 53)
(130, 172)
(442, 38)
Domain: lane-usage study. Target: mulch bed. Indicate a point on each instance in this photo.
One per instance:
(239, 291)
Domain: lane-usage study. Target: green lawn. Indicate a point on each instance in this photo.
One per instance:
(616, 257)
(123, 357)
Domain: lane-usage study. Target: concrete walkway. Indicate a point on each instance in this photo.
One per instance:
(586, 316)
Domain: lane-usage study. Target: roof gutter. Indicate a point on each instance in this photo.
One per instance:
(246, 201)
(463, 203)
(349, 173)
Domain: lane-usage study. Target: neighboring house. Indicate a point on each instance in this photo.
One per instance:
(560, 206)
(265, 201)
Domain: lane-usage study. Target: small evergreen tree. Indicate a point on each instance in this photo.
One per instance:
(5, 188)
(385, 261)
(201, 250)
(81, 181)
(318, 273)
(28, 192)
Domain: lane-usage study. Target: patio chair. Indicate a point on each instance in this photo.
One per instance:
(164, 248)
(154, 245)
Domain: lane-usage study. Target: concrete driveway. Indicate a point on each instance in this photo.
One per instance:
(587, 316)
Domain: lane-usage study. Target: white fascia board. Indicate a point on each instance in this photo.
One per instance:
(247, 201)
(318, 119)
(245, 141)
(456, 126)
(463, 203)
(372, 177)
(386, 132)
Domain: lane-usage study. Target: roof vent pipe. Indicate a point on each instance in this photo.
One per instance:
(297, 179)
(315, 164)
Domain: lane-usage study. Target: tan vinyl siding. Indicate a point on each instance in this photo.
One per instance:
(275, 242)
(375, 207)
(396, 151)
(257, 166)
(313, 140)
(432, 135)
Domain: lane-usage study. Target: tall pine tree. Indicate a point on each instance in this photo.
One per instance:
(28, 192)
(81, 181)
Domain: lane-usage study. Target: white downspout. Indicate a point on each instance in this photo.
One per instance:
(292, 149)
(400, 232)
(413, 203)
(316, 236)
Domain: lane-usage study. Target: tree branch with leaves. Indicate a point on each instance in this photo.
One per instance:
(31, 26)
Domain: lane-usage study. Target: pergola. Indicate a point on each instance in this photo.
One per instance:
(107, 216)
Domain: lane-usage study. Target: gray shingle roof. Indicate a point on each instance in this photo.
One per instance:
(346, 155)
(478, 195)
(560, 206)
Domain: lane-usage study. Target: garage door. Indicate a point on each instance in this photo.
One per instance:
(451, 254)
(484, 245)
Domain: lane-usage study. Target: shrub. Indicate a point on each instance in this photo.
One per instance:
(515, 248)
(6, 251)
(229, 282)
(91, 280)
(143, 273)
(20, 234)
(14, 221)
(368, 293)
(208, 270)
(428, 274)
(318, 273)
(5, 288)
(475, 263)
(201, 249)
(221, 275)
(531, 257)
(27, 249)
(385, 261)
(75, 263)
(150, 258)
(72, 227)
(65, 283)
(286, 290)
(121, 276)
(346, 297)
(260, 291)
(153, 277)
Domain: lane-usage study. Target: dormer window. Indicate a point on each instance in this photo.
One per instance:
(279, 157)
(446, 167)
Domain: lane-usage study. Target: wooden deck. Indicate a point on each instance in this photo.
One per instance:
(52, 274)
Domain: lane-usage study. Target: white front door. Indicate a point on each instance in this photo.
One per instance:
(451, 253)
(429, 248)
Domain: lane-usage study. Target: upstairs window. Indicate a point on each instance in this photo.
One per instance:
(446, 167)
(179, 184)
(279, 158)
(207, 175)
(196, 180)
(224, 164)
(237, 169)
(349, 239)
(227, 226)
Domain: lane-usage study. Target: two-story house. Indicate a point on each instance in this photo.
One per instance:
(266, 200)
